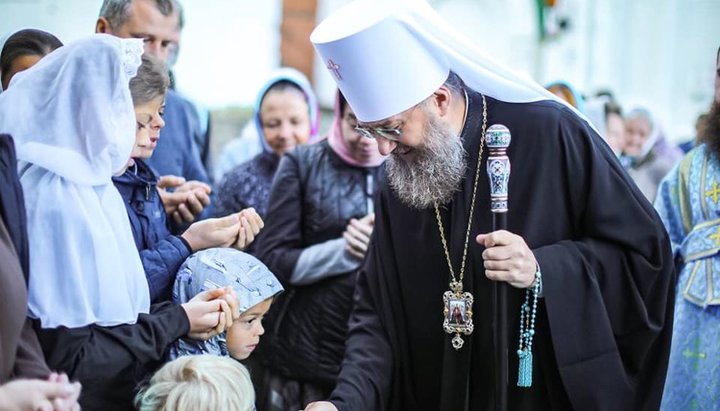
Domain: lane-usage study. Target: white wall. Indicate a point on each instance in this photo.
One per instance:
(658, 52)
(228, 46)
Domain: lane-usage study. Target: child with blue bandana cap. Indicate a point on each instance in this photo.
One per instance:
(254, 284)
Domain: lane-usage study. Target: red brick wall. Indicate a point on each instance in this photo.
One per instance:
(298, 21)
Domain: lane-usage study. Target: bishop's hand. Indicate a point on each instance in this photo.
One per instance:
(508, 258)
(321, 406)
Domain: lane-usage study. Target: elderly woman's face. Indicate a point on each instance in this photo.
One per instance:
(360, 148)
(615, 132)
(285, 119)
(637, 131)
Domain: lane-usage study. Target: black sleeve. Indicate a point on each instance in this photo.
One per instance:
(367, 368)
(609, 292)
(281, 243)
(150, 336)
(111, 361)
(143, 342)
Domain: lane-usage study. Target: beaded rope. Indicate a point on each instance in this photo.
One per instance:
(527, 331)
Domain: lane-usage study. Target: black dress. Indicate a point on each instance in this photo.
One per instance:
(313, 197)
(604, 325)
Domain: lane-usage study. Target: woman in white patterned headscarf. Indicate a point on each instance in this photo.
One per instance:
(73, 122)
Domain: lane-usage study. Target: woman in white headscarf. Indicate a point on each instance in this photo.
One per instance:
(73, 122)
(651, 155)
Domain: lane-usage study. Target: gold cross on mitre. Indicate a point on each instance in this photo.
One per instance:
(716, 236)
(335, 68)
(714, 192)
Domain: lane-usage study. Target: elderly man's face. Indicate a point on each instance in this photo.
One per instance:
(401, 133)
(427, 160)
(160, 34)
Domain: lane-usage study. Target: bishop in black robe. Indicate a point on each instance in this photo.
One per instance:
(604, 324)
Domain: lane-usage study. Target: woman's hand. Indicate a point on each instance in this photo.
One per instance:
(211, 312)
(250, 225)
(57, 393)
(357, 235)
(187, 200)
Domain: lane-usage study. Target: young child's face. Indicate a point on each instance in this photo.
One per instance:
(244, 335)
(149, 122)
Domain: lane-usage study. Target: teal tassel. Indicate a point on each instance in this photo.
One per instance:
(525, 370)
(527, 331)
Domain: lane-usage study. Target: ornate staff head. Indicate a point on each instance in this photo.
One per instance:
(497, 140)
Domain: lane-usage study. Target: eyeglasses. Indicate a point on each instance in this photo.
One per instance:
(392, 134)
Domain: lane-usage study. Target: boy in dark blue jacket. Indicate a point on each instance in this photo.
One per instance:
(161, 252)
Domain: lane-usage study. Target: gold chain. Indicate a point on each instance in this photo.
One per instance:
(455, 283)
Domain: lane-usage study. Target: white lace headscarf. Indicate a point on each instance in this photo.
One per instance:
(72, 118)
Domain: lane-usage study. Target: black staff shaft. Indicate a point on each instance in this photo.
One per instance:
(501, 332)
(498, 140)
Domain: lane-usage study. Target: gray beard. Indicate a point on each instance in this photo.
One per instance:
(433, 175)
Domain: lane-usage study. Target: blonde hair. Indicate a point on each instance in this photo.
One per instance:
(198, 382)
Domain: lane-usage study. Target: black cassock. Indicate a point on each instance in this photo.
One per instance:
(604, 325)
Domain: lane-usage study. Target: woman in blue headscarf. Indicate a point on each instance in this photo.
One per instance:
(568, 93)
(286, 115)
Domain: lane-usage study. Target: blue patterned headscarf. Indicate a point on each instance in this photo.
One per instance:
(216, 268)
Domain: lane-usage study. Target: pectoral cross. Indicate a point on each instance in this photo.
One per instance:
(714, 192)
(335, 68)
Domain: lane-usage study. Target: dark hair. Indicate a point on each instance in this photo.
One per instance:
(284, 85)
(607, 93)
(28, 42)
(150, 81)
(612, 107)
(343, 102)
(118, 11)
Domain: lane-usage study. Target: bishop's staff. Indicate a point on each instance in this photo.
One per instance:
(497, 140)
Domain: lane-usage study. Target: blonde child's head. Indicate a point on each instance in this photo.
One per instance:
(198, 383)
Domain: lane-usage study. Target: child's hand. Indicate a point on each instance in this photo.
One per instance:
(250, 226)
(213, 232)
(234, 302)
(209, 313)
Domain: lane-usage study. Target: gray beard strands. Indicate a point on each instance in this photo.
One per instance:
(435, 172)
